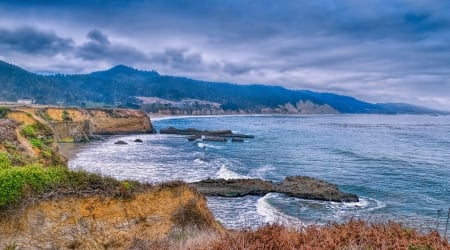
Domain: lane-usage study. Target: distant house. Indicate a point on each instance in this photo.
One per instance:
(25, 101)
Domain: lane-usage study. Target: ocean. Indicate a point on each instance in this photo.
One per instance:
(399, 165)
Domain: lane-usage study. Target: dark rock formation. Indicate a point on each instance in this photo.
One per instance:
(215, 138)
(120, 143)
(297, 186)
(138, 140)
(213, 135)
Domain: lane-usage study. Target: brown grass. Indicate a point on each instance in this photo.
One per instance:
(350, 235)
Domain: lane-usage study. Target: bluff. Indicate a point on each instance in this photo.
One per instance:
(102, 222)
(77, 124)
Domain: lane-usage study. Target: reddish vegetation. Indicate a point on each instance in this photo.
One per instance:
(351, 235)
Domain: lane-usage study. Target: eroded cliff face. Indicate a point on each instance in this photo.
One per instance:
(76, 124)
(26, 139)
(99, 222)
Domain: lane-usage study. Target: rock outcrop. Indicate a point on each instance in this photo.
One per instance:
(206, 135)
(98, 222)
(297, 186)
(76, 124)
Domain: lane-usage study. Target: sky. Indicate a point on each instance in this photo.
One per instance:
(374, 50)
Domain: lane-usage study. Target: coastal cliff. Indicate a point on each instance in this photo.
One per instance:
(29, 134)
(100, 222)
(77, 124)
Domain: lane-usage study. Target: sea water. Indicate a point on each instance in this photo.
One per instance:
(399, 166)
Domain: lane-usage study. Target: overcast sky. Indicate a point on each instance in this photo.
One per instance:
(375, 50)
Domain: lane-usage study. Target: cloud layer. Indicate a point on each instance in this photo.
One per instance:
(374, 50)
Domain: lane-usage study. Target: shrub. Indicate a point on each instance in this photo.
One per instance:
(29, 131)
(5, 162)
(4, 112)
(190, 215)
(36, 142)
(22, 181)
(66, 116)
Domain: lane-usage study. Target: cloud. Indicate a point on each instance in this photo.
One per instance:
(33, 41)
(371, 49)
(99, 48)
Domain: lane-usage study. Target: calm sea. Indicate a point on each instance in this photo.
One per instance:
(398, 165)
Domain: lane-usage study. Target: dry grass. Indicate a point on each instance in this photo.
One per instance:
(351, 235)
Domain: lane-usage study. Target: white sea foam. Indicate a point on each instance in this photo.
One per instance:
(274, 215)
(262, 172)
(227, 174)
(200, 160)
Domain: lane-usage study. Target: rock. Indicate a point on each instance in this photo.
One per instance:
(194, 137)
(296, 186)
(237, 140)
(196, 134)
(234, 187)
(215, 138)
(138, 140)
(305, 187)
(120, 143)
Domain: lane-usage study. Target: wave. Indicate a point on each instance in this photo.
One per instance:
(263, 171)
(225, 173)
(201, 160)
(206, 146)
(273, 215)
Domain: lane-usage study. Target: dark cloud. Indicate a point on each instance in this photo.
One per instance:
(98, 47)
(33, 41)
(98, 36)
(178, 58)
(372, 49)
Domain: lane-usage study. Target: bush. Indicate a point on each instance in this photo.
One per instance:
(29, 131)
(17, 182)
(5, 162)
(66, 116)
(36, 142)
(4, 112)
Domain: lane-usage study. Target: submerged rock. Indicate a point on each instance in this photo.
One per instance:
(296, 186)
(138, 140)
(120, 142)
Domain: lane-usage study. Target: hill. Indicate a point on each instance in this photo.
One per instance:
(126, 86)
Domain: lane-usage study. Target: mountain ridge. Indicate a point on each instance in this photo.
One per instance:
(121, 84)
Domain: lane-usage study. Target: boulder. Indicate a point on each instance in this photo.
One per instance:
(120, 142)
(138, 140)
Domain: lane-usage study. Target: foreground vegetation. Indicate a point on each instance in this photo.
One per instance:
(350, 235)
(22, 184)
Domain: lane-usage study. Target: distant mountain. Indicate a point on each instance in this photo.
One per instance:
(123, 85)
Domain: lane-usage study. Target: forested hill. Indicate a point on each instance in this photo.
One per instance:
(121, 85)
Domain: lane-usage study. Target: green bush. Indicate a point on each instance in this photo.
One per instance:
(17, 182)
(29, 131)
(36, 142)
(5, 162)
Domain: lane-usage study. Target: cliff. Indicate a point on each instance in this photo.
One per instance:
(30, 134)
(99, 222)
(76, 124)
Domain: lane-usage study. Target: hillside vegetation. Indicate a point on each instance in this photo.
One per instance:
(122, 85)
